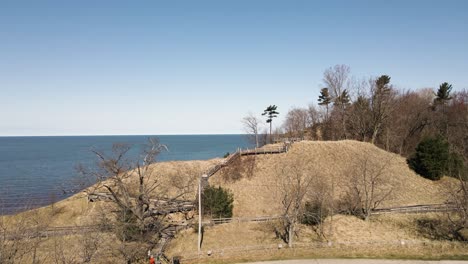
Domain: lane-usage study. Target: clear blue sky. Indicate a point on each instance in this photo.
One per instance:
(197, 67)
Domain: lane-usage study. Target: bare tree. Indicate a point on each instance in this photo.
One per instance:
(292, 186)
(12, 246)
(251, 126)
(408, 122)
(314, 119)
(139, 193)
(457, 192)
(20, 237)
(457, 115)
(319, 205)
(458, 197)
(297, 120)
(360, 118)
(61, 254)
(89, 244)
(338, 81)
(368, 187)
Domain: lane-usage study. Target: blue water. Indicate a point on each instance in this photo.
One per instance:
(34, 171)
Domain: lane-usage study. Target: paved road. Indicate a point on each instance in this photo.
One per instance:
(356, 261)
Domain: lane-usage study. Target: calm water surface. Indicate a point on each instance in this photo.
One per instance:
(35, 170)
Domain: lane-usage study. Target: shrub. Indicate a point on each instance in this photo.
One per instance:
(315, 213)
(431, 158)
(127, 228)
(217, 202)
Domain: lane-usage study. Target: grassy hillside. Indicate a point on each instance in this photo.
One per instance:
(253, 178)
(253, 181)
(76, 210)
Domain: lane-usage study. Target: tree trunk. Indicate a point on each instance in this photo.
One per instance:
(270, 133)
(343, 124)
(291, 235)
(256, 139)
(326, 115)
(374, 134)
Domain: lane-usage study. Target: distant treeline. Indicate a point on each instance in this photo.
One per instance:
(373, 110)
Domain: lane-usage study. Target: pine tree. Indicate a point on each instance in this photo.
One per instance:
(217, 202)
(440, 104)
(443, 94)
(343, 99)
(271, 113)
(380, 104)
(325, 99)
(431, 158)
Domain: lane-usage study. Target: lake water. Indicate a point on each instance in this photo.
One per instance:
(35, 170)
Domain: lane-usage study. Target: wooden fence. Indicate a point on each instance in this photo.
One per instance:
(217, 221)
(423, 208)
(246, 152)
(54, 231)
(223, 163)
(176, 226)
(426, 208)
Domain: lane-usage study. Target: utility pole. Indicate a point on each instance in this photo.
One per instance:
(200, 212)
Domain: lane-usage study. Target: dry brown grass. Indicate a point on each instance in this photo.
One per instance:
(76, 210)
(222, 237)
(254, 189)
(434, 251)
(352, 238)
(252, 180)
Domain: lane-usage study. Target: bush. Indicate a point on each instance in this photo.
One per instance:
(431, 158)
(315, 213)
(128, 229)
(217, 202)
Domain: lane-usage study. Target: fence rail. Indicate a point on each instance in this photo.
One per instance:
(255, 151)
(423, 208)
(224, 163)
(69, 230)
(53, 231)
(218, 221)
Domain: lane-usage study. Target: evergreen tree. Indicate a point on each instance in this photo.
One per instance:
(343, 99)
(431, 158)
(440, 107)
(382, 82)
(443, 94)
(324, 99)
(271, 113)
(380, 104)
(217, 202)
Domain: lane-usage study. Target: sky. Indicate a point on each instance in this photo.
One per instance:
(197, 67)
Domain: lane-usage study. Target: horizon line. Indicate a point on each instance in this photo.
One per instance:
(116, 135)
